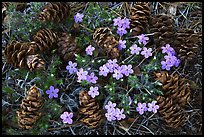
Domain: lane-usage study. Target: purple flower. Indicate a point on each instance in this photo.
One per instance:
(92, 78)
(81, 74)
(177, 62)
(117, 74)
(110, 115)
(141, 108)
(143, 39)
(71, 67)
(89, 50)
(52, 92)
(103, 70)
(168, 49)
(126, 70)
(119, 114)
(125, 23)
(93, 91)
(135, 49)
(170, 59)
(121, 44)
(146, 52)
(78, 17)
(165, 65)
(121, 31)
(110, 107)
(67, 117)
(153, 107)
(117, 22)
(111, 65)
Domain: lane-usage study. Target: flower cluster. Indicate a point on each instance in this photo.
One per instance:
(142, 107)
(122, 25)
(112, 67)
(113, 113)
(134, 49)
(171, 60)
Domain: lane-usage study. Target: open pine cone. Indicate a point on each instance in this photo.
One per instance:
(163, 28)
(186, 44)
(139, 18)
(29, 111)
(55, 12)
(90, 109)
(172, 113)
(104, 39)
(44, 40)
(175, 87)
(22, 55)
(67, 46)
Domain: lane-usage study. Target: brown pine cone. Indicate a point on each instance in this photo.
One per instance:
(185, 44)
(163, 28)
(139, 18)
(90, 109)
(175, 87)
(172, 113)
(104, 39)
(55, 12)
(44, 40)
(67, 47)
(21, 55)
(29, 111)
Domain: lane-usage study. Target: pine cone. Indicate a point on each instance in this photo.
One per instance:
(172, 113)
(175, 87)
(67, 46)
(104, 39)
(76, 6)
(55, 12)
(186, 44)
(44, 40)
(90, 109)
(22, 55)
(29, 113)
(139, 18)
(163, 28)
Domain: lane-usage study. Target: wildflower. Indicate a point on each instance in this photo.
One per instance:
(125, 23)
(71, 67)
(81, 74)
(121, 44)
(153, 107)
(135, 49)
(103, 71)
(165, 65)
(177, 62)
(141, 108)
(78, 17)
(93, 91)
(119, 114)
(127, 69)
(168, 49)
(111, 65)
(170, 59)
(52, 92)
(117, 74)
(110, 115)
(146, 52)
(110, 107)
(92, 78)
(121, 31)
(143, 39)
(89, 50)
(117, 22)
(67, 117)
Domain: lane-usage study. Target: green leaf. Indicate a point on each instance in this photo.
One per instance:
(8, 90)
